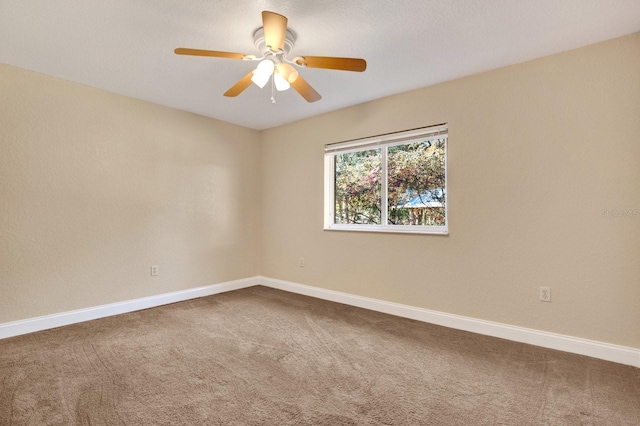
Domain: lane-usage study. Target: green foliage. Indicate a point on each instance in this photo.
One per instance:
(358, 188)
(416, 181)
(416, 185)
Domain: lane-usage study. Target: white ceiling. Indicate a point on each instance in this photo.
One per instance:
(126, 46)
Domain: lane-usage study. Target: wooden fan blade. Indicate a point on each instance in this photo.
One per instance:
(239, 87)
(275, 30)
(213, 53)
(344, 64)
(307, 92)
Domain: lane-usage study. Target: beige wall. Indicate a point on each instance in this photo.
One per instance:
(537, 151)
(96, 187)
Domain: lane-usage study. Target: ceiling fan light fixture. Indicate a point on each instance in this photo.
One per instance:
(280, 82)
(263, 73)
(289, 73)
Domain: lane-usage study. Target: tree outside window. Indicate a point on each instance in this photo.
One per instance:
(394, 186)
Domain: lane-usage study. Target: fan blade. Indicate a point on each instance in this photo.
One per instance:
(344, 64)
(307, 92)
(275, 30)
(239, 87)
(213, 53)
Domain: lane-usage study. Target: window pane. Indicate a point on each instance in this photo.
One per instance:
(416, 180)
(358, 187)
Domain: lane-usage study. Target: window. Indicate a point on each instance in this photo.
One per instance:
(389, 183)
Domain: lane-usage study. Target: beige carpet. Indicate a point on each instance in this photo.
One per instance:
(260, 356)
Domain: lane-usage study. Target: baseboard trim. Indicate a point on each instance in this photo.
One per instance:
(46, 322)
(606, 351)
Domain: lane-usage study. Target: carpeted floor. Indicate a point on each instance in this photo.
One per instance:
(260, 356)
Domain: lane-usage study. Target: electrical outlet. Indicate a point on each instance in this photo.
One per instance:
(545, 294)
(301, 262)
(154, 270)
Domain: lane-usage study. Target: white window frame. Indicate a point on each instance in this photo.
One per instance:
(383, 142)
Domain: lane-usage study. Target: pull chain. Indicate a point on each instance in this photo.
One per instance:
(273, 91)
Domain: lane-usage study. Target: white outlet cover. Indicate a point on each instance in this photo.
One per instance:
(545, 294)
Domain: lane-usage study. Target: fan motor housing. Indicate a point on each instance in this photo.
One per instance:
(258, 40)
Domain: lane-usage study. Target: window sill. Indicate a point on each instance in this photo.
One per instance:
(429, 230)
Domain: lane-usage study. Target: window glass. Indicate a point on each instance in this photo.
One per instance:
(358, 187)
(388, 183)
(416, 183)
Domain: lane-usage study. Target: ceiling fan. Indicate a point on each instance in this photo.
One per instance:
(274, 42)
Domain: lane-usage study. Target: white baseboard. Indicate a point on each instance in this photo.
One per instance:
(46, 322)
(620, 354)
(606, 351)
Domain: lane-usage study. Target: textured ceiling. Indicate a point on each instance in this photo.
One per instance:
(126, 46)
